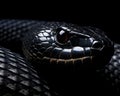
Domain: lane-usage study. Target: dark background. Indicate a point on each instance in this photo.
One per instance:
(104, 15)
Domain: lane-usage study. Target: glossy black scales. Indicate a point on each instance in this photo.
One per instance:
(66, 53)
(66, 42)
(18, 77)
(12, 30)
(110, 74)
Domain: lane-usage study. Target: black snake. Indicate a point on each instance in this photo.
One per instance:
(72, 59)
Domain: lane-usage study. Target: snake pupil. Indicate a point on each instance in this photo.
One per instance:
(62, 36)
(97, 45)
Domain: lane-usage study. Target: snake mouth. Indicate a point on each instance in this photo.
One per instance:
(71, 61)
(75, 54)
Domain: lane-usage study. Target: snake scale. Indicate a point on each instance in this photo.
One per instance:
(41, 58)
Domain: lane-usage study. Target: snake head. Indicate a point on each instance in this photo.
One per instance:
(68, 50)
(63, 52)
(62, 43)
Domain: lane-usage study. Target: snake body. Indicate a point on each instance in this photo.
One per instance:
(75, 53)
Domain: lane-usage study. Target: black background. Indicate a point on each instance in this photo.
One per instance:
(104, 15)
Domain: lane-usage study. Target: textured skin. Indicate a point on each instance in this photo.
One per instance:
(111, 72)
(70, 57)
(11, 32)
(18, 78)
(11, 29)
(42, 45)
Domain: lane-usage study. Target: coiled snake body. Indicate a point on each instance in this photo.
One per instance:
(66, 55)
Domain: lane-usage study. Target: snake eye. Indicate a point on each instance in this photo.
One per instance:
(97, 45)
(62, 36)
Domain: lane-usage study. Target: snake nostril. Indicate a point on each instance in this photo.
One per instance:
(97, 45)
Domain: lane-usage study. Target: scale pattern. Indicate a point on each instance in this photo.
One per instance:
(18, 78)
(111, 72)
